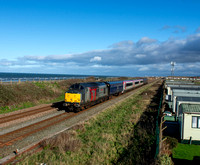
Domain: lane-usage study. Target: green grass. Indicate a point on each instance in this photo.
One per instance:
(197, 82)
(12, 108)
(186, 151)
(24, 95)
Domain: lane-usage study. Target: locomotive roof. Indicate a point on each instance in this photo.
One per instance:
(114, 82)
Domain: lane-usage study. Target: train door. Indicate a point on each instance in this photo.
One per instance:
(93, 93)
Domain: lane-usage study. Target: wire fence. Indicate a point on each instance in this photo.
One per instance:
(25, 79)
(157, 125)
(40, 79)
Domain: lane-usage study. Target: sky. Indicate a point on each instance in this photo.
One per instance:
(100, 37)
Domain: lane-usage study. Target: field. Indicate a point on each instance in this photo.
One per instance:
(124, 134)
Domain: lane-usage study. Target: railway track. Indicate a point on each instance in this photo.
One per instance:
(11, 137)
(19, 134)
(25, 114)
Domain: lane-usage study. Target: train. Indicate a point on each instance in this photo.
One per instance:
(83, 95)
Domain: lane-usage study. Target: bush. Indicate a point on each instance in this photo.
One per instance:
(164, 160)
(173, 142)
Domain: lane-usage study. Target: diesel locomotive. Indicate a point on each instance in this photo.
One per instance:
(82, 95)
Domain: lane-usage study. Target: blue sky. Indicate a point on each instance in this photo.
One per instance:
(100, 37)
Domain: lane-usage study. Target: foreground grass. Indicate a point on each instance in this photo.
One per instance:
(186, 151)
(120, 135)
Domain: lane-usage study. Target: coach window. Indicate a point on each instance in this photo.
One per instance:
(195, 121)
(137, 82)
(129, 84)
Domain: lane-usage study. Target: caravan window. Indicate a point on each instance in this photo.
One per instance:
(195, 121)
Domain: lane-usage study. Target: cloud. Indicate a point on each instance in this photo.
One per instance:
(96, 58)
(147, 56)
(165, 27)
(146, 40)
(198, 30)
(144, 68)
(140, 55)
(175, 29)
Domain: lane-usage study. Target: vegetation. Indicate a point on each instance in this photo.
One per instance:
(197, 82)
(186, 151)
(171, 142)
(27, 94)
(167, 146)
(124, 134)
(164, 160)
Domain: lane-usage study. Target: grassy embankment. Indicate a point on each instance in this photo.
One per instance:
(124, 134)
(27, 94)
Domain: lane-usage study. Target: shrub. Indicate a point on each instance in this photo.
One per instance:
(164, 160)
(173, 142)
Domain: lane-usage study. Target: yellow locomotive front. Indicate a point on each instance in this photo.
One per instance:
(73, 97)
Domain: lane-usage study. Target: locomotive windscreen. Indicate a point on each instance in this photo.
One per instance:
(76, 86)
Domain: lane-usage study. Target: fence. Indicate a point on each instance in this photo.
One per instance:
(40, 79)
(157, 125)
(25, 79)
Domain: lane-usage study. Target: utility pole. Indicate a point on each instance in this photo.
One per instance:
(172, 68)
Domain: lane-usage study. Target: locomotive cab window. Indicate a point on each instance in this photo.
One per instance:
(75, 86)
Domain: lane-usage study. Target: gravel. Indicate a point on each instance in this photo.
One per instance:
(35, 119)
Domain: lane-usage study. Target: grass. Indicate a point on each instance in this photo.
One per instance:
(197, 82)
(124, 134)
(19, 96)
(186, 151)
(7, 109)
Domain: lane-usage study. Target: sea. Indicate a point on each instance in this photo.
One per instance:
(15, 77)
